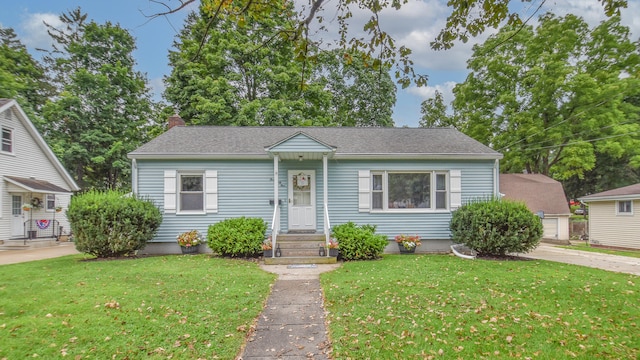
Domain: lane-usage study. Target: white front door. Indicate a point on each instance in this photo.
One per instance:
(17, 221)
(302, 199)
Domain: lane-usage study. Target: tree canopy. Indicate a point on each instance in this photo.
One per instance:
(103, 107)
(467, 18)
(553, 98)
(226, 73)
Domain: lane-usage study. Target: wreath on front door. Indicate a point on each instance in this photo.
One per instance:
(36, 203)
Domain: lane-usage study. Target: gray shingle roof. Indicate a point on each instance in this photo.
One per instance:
(37, 185)
(631, 191)
(202, 141)
(537, 191)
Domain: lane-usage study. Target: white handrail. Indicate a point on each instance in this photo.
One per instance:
(327, 227)
(275, 228)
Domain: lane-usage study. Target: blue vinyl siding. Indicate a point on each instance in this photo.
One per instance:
(246, 186)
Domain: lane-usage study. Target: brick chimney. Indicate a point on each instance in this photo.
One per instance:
(175, 120)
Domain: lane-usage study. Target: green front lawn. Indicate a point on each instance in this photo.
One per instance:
(437, 306)
(418, 306)
(158, 307)
(586, 247)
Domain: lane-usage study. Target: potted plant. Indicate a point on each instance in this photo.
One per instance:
(267, 248)
(189, 241)
(333, 247)
(27, 207)
(407, 243)
(58, 208)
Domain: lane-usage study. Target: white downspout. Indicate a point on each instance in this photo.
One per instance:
(496, 178)
(134, 176)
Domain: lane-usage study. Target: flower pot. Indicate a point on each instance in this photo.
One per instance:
(404, 250)
(189, 249)
(333, 252)
(268, 253)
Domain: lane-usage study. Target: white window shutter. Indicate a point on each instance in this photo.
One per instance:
(170, 190)
(455, 184)
(364, 190)
(211, 191)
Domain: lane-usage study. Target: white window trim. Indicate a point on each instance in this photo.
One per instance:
(179, 192)
(46, 203)
(432, 195)
(13, 140)
(630, 213)
(171, 191)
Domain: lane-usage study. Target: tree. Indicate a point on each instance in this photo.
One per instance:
(222, 75)
(21, 77)
(434, 112)
(553, 97)
(468, 17)
(103, 109)
(360, 95)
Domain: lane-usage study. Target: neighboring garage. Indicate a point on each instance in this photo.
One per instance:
(542, 195)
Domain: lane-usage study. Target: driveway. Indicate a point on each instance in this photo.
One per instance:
(18, 256)
(623, 264)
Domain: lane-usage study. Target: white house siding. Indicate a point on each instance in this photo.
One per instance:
(609, 229)
(245, 188)
(28, 160)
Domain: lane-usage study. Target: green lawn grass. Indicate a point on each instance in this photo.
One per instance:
(438, 306)
(157, 307)
(586, 247)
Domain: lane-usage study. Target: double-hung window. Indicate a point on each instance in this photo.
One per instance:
(191, 192)
(6, 140)
(50, 204)
(409, 191)
(625, 207)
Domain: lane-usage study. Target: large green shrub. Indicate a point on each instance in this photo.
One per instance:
(496, 227)
(237, 237)
(110, 223)
(359, 242)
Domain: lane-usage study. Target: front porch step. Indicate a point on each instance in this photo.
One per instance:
(300, 245)
(294, 260)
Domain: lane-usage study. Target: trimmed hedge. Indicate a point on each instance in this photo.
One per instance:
(237, 237)
(496, 227)
(111, 223)
(359, 242)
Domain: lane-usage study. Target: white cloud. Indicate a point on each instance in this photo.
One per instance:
(157, 88)
(428, 92)
(34, 32)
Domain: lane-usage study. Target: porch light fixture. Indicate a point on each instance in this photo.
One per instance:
(299, 157)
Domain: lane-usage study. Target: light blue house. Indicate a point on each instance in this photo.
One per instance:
(307, 179)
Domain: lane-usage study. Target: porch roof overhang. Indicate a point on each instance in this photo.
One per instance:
(36, 186)
(300, 146)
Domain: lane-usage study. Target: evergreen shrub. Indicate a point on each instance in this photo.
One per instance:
(237, 237)
(112, 223)
(496, 227)
(359, 242)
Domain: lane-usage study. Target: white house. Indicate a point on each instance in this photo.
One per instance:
(35, 188)
(613, 221)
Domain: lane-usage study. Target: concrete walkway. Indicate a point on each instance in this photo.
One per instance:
(623, 264)
(292, 325)
(18, 256)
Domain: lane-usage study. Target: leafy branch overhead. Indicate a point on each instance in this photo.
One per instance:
(467, 18)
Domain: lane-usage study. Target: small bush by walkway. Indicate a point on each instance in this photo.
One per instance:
(437, 306)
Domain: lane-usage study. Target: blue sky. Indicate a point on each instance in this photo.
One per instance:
(415, 25)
